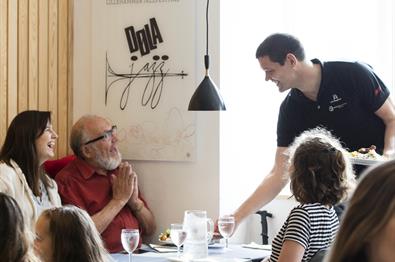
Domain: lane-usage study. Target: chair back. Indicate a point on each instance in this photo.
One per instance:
(52, 167)
(319, 256)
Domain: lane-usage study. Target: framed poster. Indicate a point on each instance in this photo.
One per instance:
(143, 75)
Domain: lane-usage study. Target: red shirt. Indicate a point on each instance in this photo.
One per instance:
(80, 185)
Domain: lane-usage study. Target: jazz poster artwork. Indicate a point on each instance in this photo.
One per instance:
(143, 75)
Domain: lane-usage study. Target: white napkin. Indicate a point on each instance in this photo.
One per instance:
(254, 245)
(163, 248)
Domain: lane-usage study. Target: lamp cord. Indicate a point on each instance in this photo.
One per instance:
(207, 27)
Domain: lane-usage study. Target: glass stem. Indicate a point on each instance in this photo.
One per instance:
(226, 242)
(178, 251)
(130, 257)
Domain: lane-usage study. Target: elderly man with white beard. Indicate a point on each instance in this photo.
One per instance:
(99, 182)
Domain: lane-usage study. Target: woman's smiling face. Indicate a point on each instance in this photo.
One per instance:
(45, 144)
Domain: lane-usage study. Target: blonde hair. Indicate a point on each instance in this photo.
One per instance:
(74, 235)
(363, 220)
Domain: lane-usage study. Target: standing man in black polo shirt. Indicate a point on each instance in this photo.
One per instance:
(346, 98)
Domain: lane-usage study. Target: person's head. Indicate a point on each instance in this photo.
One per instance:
(30, 141)
(279, 56)
(68, 233)
(277, 46)
(367, 229)
(94, 139)
(14, 240)
(319, 170)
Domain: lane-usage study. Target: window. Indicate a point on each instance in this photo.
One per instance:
(329, 30)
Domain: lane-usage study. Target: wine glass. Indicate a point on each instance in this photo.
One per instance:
(226, 225)
(178, 235)
(210, 230)
(130, 240)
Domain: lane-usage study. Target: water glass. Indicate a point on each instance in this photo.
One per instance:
(226, 225)
(130, 240)
(178, 235)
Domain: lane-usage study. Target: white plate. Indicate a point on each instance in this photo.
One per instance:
(208, 259)
(365, 162)
(167, 241)
(215, 245)
(177, 259)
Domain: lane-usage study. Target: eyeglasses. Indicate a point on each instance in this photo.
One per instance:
(105, 135)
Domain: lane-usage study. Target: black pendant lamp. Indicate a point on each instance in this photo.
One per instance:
(206, 96)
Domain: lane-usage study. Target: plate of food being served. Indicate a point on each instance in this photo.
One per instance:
(164, 238)
(366, 156)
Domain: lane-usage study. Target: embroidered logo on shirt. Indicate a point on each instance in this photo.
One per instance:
(335, 103)
(333, 108)
(335, 98)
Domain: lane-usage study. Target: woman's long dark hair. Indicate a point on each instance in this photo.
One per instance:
(14, 245)
(20, 146)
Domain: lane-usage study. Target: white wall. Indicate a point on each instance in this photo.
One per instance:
(169, 187)
(248, 128)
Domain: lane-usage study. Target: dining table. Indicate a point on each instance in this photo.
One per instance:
(216, 253)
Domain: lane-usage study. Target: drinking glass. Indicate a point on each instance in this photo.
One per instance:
(178, 235)
(130, 240)
(210, 230)
(226, 225)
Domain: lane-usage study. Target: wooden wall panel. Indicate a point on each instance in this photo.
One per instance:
(35, 62)
(70, 71)
(43, 56)
(53, 62)
(3, 65)
(62, 80)
(23, 53)
(33, 55)
(12, 88)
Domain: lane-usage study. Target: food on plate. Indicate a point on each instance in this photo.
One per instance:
(165, 235)
(366, 153)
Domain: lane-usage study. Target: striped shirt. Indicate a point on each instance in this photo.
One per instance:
(313, 226)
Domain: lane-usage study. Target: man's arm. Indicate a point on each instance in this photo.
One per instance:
(122, 186)
(145, 217)
(105, 216)
(140, 211)
(268, 189)
(387, 113)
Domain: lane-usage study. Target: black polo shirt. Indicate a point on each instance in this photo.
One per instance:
(349, 95)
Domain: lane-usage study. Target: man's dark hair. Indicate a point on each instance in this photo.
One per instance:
(277, 46)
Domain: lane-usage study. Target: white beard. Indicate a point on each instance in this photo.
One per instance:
(109, 163)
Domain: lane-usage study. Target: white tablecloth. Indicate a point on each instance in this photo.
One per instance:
(235, 253)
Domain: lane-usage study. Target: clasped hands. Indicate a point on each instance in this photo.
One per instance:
(125, 186)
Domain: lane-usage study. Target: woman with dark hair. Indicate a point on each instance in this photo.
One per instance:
(68, 233)
(321, 176)
(367, 231)
(29, 142)
(15, 242)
